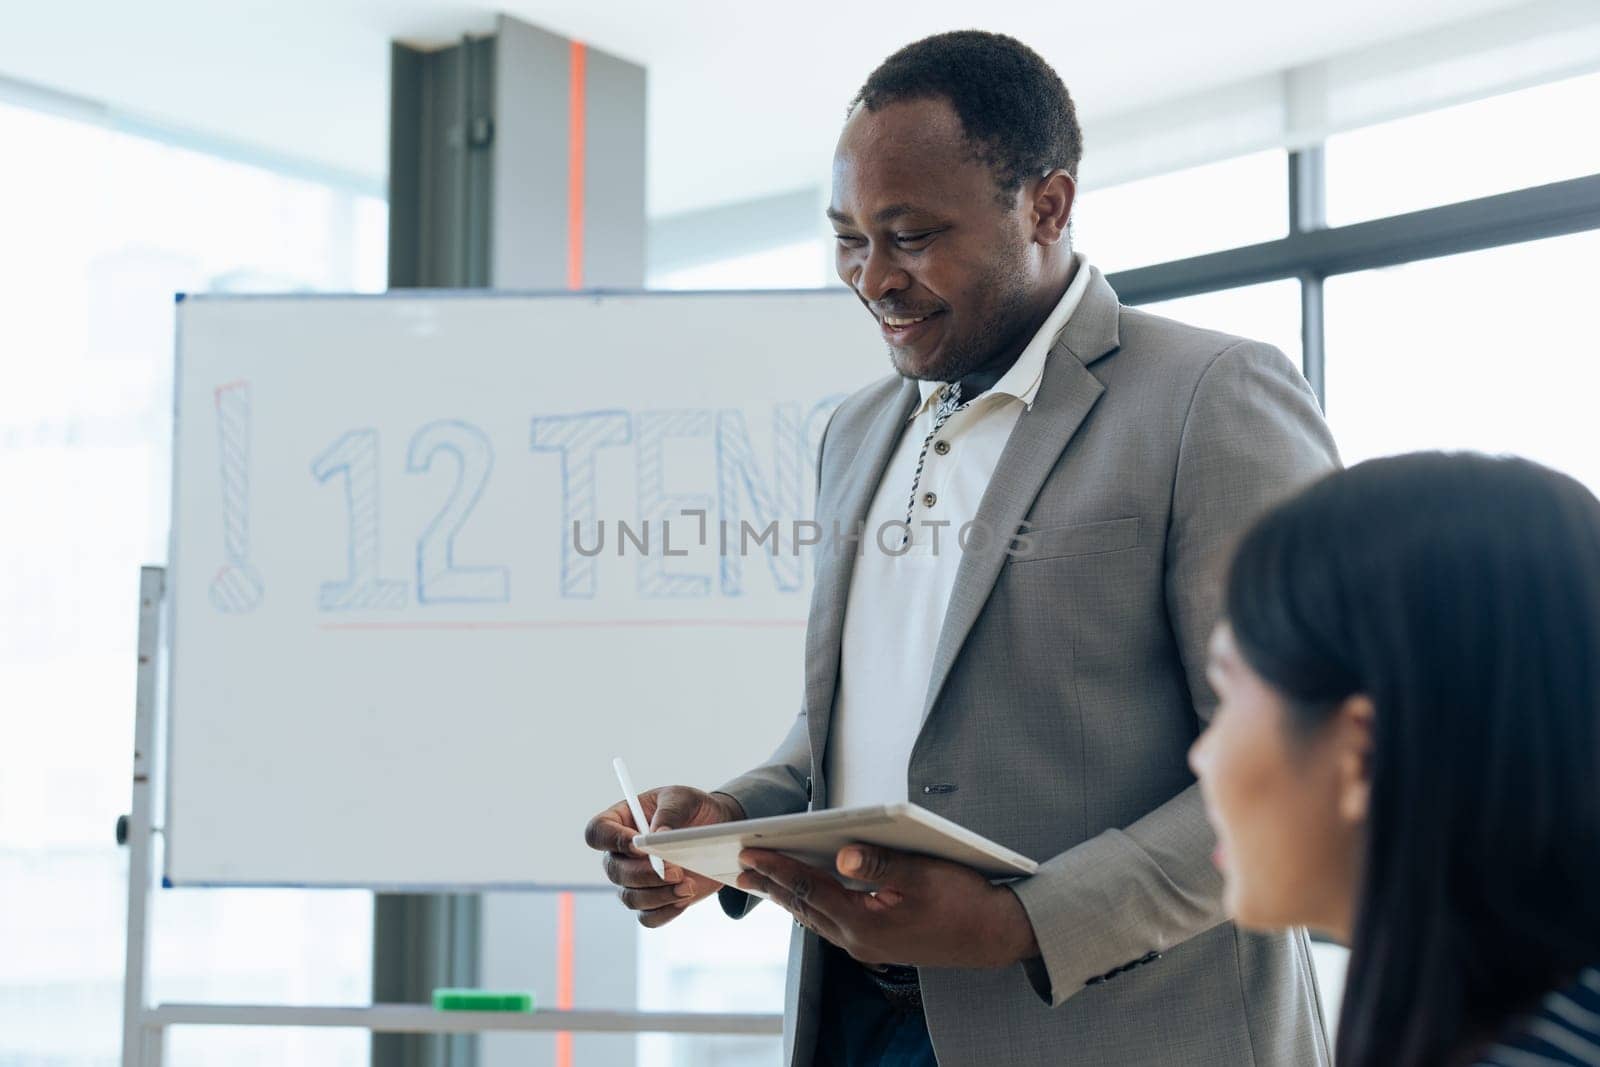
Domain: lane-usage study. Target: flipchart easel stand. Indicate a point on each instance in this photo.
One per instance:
(144, 1025)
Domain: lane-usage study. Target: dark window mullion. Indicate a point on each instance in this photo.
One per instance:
(1308, 211)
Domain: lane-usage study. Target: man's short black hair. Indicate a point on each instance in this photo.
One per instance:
(1012, 105)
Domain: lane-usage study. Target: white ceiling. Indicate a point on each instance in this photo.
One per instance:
(745, 97)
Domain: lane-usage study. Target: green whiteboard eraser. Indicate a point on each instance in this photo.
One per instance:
(480, 1000)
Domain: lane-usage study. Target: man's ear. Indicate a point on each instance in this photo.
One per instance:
(1354, 726)
(1053, 197)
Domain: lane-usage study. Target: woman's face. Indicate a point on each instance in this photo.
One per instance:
(1288, 804)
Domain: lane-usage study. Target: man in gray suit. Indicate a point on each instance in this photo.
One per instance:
(1043, 492)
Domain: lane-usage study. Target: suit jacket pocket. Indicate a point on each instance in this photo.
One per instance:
(1079, 539)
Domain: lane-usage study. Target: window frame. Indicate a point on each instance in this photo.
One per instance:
(1314, 251)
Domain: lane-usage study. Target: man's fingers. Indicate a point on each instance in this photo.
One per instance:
(884, 900)
(812, 887)
(633, 873)
(611, 831)
(661, 916)
(880, 866)
(811, 918)
(651, 899)
(676, 807)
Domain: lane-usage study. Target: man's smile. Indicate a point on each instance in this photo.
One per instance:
(904, 330)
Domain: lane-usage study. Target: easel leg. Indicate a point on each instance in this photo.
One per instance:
(135, 831)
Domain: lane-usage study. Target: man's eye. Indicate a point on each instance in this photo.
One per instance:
(848, 240)
(914, 238)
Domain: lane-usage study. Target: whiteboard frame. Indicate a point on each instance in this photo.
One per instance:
(173, 574)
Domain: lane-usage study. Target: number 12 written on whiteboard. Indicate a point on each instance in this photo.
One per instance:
(439, 579)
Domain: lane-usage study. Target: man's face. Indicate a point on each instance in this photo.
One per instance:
(924, 242)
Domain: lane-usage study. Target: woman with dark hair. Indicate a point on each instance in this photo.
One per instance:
(1406, 755)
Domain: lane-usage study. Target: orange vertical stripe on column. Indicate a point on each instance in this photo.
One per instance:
(575, 149)
(578, 57)
(564, 941)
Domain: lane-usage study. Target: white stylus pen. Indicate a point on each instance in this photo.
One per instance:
(631, 795)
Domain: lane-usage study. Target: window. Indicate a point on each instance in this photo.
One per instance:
(704, 961)
(801, 265)
(110, 226)
(1268, 312)
(1188, 213)
(1521, 139)
(1491, 351)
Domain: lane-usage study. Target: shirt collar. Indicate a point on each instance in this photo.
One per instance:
(1021, 382)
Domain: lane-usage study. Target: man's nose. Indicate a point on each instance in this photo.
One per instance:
(880, 276)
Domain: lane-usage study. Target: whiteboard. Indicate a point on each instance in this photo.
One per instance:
(407, 634)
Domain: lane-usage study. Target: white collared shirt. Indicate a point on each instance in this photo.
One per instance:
(897, 603)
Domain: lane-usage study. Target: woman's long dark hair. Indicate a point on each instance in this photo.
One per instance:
(1461, 594)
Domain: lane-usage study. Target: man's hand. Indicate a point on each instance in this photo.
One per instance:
(674, 807)
(925, 912)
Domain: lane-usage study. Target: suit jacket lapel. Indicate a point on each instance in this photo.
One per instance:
(1065, 398)
(835, 567)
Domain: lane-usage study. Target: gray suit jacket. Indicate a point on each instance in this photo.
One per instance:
(1066, 689)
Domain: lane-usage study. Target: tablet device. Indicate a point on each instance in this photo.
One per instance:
(815, 837)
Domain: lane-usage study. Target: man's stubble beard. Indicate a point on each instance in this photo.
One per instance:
(978, 349)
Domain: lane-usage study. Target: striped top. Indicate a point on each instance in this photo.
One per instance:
(1564, 1031)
